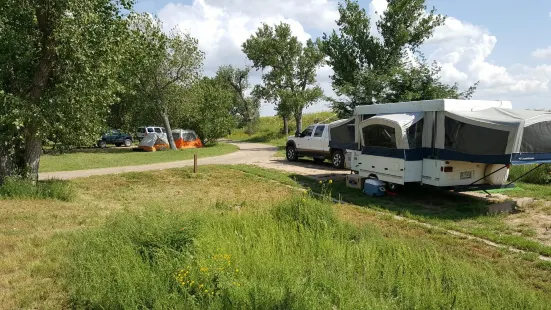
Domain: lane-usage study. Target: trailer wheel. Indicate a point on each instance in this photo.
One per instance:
(337, 159)
(392, 187)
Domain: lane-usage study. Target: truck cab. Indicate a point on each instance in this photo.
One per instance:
(314, 142)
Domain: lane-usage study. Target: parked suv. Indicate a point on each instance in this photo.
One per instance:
(314, 142)
(115, 137)
(143, 131)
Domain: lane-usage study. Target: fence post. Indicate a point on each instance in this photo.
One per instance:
(195, 163)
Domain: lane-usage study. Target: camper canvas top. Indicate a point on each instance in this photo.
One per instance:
(431, 105)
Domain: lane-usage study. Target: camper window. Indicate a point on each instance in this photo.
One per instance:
(415, 135)
(472, 139)
(536, 138)
(379, 135)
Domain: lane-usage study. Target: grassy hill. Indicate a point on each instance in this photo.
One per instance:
(270, 128)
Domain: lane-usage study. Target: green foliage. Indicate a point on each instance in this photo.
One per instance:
(369, 69)
(296, 256)
(290, 81)
(18, 188)
(245, 108)
(209, 110)
(541, 175)
(164, 66)
(59, 61)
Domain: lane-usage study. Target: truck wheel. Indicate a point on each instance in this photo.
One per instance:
(127, 142)
(291, 153)
(102, 144)
(337, 159)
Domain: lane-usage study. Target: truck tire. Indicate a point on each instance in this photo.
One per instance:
(102, 144)
(127, 142)
(291, 153)
(337, 159)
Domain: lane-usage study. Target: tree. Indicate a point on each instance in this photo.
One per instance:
(246, 108)
(209, 108)
(291, 76)
(58, 65)
(370, 69)
(163, 64)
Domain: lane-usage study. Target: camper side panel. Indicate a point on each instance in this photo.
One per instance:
(386, 169)
(452, 173)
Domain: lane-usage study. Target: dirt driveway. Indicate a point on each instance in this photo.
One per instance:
(249, 153)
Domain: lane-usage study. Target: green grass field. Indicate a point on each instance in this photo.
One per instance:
(174, 240)
(116, 157)
(269, 130)
(448, 210)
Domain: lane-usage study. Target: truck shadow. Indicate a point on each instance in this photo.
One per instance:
(412, 200)
(308, 163)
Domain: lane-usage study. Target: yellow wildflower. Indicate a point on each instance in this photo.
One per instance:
(321, 181)
(330, 181)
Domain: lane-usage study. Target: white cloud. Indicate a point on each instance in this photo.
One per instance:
(221, 26)
(542, 52)
(463, 51)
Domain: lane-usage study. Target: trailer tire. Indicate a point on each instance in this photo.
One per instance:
(337, 159)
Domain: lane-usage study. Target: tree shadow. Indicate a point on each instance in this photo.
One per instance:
(412, 200)
(94, 150)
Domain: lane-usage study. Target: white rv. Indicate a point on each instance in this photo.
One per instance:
(466, 144)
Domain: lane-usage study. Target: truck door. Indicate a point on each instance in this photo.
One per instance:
(304, 141)
(319, 139)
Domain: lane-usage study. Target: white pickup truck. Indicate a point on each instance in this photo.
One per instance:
(315, 142)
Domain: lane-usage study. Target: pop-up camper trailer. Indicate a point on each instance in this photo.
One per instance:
(465, 144)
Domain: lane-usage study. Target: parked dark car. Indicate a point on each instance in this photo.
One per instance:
(115, 137)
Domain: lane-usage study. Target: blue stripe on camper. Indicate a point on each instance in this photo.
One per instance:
(531, 158)
(473, 158)
(442, 154)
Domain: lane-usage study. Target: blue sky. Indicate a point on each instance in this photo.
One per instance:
(490, 41)
(520, 26)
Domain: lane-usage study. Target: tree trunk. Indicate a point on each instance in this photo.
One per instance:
(171, 142)
(298, 119)
(286, 125)
(6, 164)
(31, 155)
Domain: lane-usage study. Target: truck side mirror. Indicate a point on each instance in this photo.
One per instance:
(298, 135)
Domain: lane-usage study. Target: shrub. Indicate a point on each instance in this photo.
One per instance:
(542, 175)
(24, 189)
